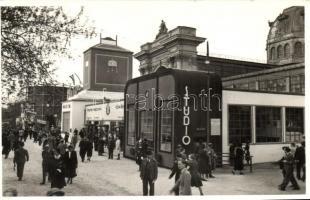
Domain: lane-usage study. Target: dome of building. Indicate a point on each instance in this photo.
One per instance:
(285, 42)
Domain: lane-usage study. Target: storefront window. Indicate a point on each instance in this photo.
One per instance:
(166, 130)
(268, 124)
(239, 124)
(294, 124)
(131, 127)
(146, 126)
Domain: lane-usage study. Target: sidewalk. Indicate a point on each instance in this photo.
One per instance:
(102, 177)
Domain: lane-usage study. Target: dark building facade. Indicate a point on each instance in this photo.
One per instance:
(107, 65)
(45, 102)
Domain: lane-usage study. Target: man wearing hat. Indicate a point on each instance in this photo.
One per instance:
(20, 157)
(71, 163)
(148, 173)
(288, 164)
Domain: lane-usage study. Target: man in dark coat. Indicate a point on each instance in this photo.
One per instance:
(20, 157)
(57, 171)
(83, 148)
(6, 145)
(148, 173)
(111, 145)
(71, 163)
(46, 158)
(238, 159)
(288, 162)
(176, 171)
(300, 158)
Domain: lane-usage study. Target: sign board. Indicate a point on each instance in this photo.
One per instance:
(106, 112)
(66, 106)
(215, 126)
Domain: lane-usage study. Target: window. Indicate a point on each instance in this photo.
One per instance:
(298, 50)
(268, 124)
(239, 123)
(166, 130)
(131, 127)
(272, 52)
(286, 50)
(297, 84)
(280, 51)
(294, 124)
(146, 126)
(275, 85)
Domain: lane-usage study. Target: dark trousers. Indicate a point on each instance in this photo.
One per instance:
(289, 177)
(147, 182)
(44, 172)
(82, 154)
(110, 153)
(20, 169)
(300, 166)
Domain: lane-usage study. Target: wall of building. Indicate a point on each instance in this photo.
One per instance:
(100, 71)
(77, 113)
(262, 152)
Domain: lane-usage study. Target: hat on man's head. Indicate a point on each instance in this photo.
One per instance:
(149, 152)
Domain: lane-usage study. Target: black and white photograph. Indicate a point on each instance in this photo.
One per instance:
(154, 98)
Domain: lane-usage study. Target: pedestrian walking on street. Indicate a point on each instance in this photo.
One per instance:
(300, 158)
(238, 159)
(288, 164)
(193, 170)
(83, 148)
(46, 158)
(6, 145)
(57, 171)
(118, 147)
(148, 174)
(111, 145)
(20, 157)
(74, 138)
(203, 162)
(71, 164)
(176, 171)
(66, 137)
(212, 156)
(183, 184)
(101, 142)
(89, 149)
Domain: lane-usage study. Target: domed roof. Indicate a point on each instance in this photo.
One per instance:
(289, 23)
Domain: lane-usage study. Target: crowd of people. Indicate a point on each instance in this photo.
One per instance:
(59, 157)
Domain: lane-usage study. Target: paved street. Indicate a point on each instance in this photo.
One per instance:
(121, 177)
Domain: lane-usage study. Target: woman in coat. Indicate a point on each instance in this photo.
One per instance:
(203, 161)
(57, 170)
(238, 162)
(71, 163)
(193, 170)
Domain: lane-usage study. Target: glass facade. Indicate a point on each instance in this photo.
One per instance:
(239, 123)
(166, 130)
(275, 85)
(297, 83)
(146, 126)
(268, 124)
(131, 137)
(294, 124)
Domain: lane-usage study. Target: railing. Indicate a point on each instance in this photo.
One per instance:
(224, 159)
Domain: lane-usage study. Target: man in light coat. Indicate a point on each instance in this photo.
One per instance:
(184, 182)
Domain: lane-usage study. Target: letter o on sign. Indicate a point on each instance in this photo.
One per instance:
(186, 140)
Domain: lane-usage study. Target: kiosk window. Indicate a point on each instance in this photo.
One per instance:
(294, 124)
(131, 127)
(166, 130)
(146, 126)
(239, 124)
(268, 124)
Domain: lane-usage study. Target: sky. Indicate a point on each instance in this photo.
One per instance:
(236, 29)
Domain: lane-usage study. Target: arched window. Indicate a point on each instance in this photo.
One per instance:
(280, 51)
(298, 51)
(271, 55)
(286, 50)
